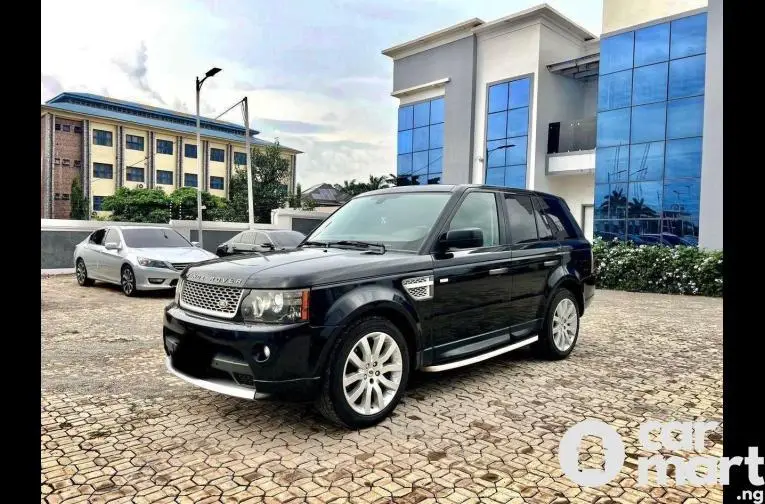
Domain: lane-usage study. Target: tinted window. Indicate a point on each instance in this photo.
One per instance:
(520, 212)
(261, 238)
(286, 238)
(479, 210)
(247, 237)
(559, 217)
(97, 238)
(154, 237)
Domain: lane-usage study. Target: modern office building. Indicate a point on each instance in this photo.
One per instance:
(627, 127)
(113, 143)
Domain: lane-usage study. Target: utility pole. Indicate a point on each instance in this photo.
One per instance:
(250, 203)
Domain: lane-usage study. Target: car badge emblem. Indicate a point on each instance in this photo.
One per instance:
(223, 304)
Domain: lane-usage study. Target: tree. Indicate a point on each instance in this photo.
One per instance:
(351, 188)
(138, 205)
(269, 170)
(79, 204)
(183, 205)
(377, 183)
(296, 200)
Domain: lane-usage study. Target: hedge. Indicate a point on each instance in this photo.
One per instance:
(657, 268)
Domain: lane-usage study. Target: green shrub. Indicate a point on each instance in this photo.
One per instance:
(656, 268)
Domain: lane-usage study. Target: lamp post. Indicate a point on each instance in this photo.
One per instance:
(209, 73)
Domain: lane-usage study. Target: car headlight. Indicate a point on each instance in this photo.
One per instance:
(152, 263)
(278, 306)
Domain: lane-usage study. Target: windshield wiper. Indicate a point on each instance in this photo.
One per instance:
(363, 244)
(315, 244)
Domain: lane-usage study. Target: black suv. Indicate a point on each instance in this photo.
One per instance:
(411, 278)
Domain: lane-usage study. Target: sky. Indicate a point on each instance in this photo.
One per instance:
(312, 70)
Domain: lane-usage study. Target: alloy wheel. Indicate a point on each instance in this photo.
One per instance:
(81, 272)
(127, 281)
(565, 324)
(372, 373)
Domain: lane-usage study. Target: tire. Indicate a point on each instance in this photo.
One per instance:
(561, 327)
(372, 393)
(81, 272)
(127, 281)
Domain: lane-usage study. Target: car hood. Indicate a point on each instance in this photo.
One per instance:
(306, 267)
(174, 254)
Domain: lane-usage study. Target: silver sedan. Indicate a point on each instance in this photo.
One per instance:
(135, 257)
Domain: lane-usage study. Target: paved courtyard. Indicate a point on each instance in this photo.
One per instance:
(115, 427)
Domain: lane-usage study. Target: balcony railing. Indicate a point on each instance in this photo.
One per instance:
(571, 136)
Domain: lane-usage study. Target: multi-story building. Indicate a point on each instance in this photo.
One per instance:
(112, 143)
(626, 127)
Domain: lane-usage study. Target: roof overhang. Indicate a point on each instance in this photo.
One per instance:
(421, 87)
(534, 13)
(584, 67)
(435, 39)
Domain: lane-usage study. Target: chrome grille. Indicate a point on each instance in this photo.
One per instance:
(216, 300)
(180, 266)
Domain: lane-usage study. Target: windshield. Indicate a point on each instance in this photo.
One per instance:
(286, 238)
(154, 238)
(400, 221)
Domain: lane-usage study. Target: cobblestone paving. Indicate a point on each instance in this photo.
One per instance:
(117, 428)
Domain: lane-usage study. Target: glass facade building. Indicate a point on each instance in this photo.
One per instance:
(649, 132)
(507, 133)
(420, 143)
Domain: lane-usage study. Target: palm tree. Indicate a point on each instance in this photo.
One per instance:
(377, 183)
(613, 202)
(638, 208)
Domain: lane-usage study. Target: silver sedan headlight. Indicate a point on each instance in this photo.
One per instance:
(276, 306)
(152, 263)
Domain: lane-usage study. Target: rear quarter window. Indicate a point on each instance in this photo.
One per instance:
(559, 218)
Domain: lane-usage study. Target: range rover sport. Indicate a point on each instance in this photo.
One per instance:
(424, 278)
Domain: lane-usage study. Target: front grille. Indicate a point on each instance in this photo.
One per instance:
(180, 266)
(216, 300)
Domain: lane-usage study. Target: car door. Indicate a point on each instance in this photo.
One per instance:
(471, 290)
(535, 255)
(263, 242)
(246, 243)
(91, 252)
(111, 260)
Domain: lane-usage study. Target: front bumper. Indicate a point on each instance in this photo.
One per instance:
(155, 278)
(230, 357)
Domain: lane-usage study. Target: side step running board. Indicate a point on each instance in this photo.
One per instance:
(479, 358)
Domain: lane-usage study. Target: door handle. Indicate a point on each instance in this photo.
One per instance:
(499, 271)
(547, 264)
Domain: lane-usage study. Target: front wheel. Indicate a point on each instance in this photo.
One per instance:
(82, 274)
(127, 281)
(367, 374)
(561, 327)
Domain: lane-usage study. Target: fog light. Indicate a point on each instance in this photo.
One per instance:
(171, 343)
(261, 352)
(156, 281)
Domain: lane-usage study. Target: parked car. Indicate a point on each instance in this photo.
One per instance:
(410, 278)
(135, 257)
(261, 240)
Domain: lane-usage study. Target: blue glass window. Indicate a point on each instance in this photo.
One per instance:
(681, 200)
(218, 155)
(435, 161)
(240, 158)
(190, 151)
(612, 164)
(686, 76)
(405, 118)
(650, 84)
(613, 127)
(103, 170)
(164, 177)
(420, 134)
(644, 200)
(134, 142)
(646, 161)
(434, 178)
(216, 183)
(190, 180)
(616, 53)
(637, 230)
(683, 159)
(437, 111)
(648, 122)
(689, 36)
(610, 201)
(101, 137)
(685, 118)
(610, 229)
(164, 147)
(652, 44)
(133, 174)
(614, 90)
(98, 202)
(507, 127)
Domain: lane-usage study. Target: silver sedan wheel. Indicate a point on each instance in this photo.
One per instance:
(372, 373)
(128, 281)
(565, 324)
(82, 274)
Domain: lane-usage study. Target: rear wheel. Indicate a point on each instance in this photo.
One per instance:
(367, 374)
(81, 272)
(561, 327)
(127, 281)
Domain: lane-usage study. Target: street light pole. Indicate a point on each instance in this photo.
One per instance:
(199, 83)
(250, 204)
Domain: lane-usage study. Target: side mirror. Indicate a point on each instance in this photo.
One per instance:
(462, 239)
(111, 246)
(196, 244)
(269, 246)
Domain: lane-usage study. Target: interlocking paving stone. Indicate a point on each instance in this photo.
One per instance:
(116, 427)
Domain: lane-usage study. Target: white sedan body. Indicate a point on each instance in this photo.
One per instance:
(155, 256)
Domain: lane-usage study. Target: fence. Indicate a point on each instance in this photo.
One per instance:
(571, 136)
